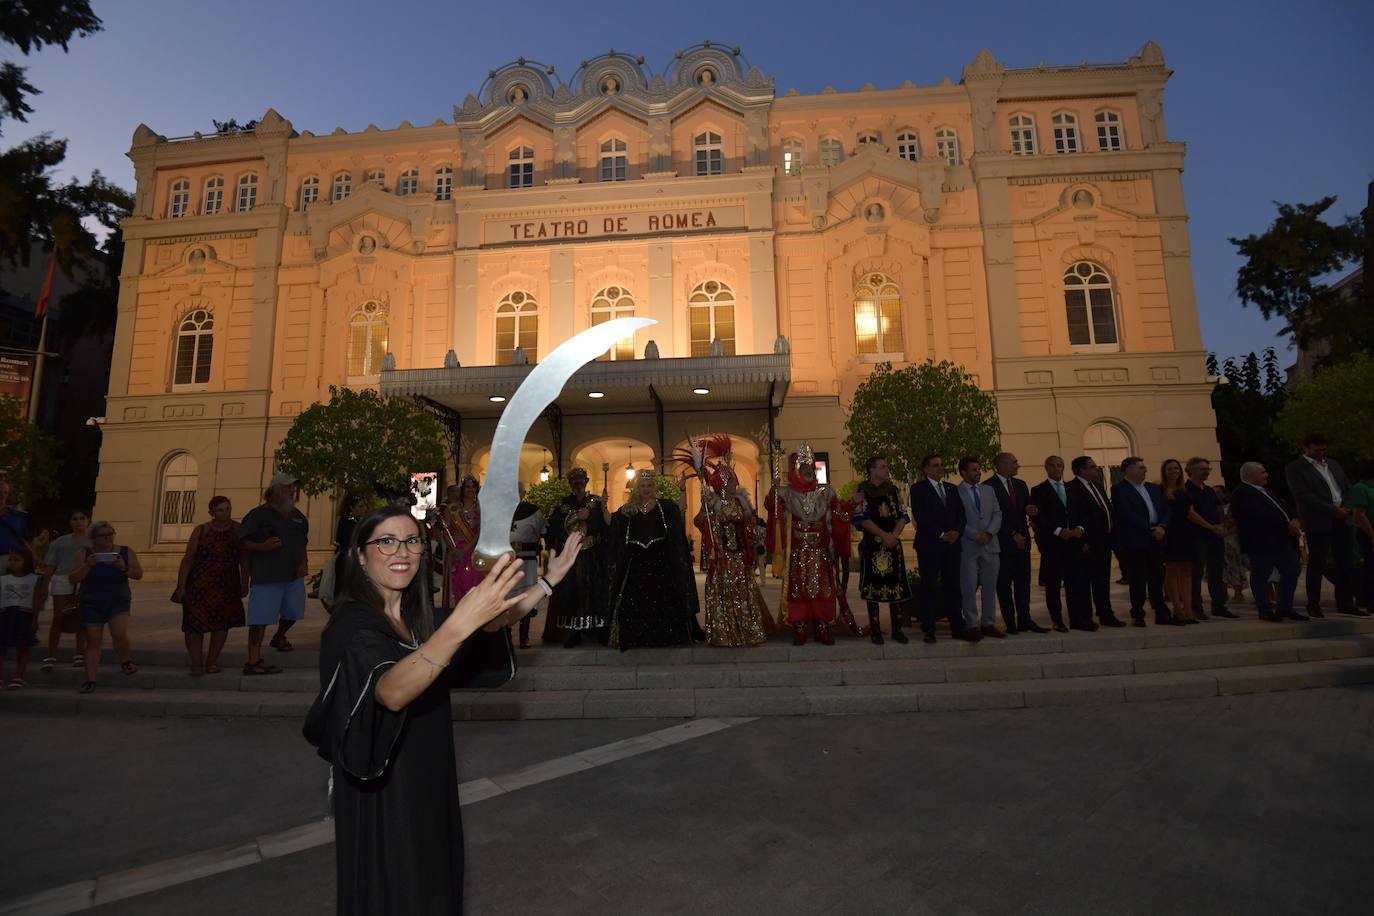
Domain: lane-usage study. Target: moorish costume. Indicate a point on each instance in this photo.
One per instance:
(527, 528)
(882, 570)
(800, 524)
(653, 588)
(579, 601)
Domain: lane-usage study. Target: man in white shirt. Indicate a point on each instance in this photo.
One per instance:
(1320, 489)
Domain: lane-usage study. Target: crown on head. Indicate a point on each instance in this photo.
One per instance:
(805, 455)
(646, 473)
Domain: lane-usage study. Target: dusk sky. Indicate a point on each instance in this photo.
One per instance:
(1272, 98)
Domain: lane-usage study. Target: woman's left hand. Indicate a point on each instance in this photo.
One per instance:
(561, 562)
(120, 565)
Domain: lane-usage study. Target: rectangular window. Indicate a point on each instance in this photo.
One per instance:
(710, 162)
(1104, 317)
(520, 175)
(248, 197)
(1079, 334)
(614, 168)
(443, 185)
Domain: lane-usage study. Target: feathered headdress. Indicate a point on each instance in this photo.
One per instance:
(699, 455)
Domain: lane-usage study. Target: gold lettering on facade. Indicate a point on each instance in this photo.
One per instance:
(632, 224)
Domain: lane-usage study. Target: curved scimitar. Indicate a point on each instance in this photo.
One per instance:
(500, 491)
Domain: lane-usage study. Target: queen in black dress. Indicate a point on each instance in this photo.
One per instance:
(653, 589)
(384, 719)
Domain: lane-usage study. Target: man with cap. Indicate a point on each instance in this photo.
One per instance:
(274, 537)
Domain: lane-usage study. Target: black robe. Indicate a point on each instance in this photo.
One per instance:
(397, 825)
(653, 588)
(579, 601)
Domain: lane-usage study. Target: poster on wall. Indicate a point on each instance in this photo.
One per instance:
(425, 488)
(16, 375)
(822, 468)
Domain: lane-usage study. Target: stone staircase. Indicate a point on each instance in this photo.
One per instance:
(1219, 658)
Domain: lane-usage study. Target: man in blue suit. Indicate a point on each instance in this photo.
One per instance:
(939, 516)
(1139, 526)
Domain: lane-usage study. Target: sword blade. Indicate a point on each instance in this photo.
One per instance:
(500, 491)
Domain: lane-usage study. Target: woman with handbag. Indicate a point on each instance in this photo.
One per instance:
(211, 584)
(102, 571)
(354, 508)
(383, 718)
(66, 616)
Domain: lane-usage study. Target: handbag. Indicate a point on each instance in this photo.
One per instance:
(325, 590)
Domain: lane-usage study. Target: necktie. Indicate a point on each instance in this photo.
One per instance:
(1059, 490)
(977, 500)
(1011, 491)
(1101, 503)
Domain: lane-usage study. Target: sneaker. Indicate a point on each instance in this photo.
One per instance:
(48, 663)
(15, 684)
(78, 661)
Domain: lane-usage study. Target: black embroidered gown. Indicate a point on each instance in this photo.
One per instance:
(653, 589)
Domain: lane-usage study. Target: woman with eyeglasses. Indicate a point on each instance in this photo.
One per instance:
(384, 721)
(103, 570)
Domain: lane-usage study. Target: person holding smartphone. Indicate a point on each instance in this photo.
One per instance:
(103, 571)
(274, 538)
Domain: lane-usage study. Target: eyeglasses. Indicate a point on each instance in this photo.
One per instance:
(388, 545)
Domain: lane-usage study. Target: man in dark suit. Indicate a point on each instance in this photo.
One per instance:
(1319, 487)
(1140, 522)
(1088, 504)
(1059, 539)
(1014, 572)
(939, 516)
(1269, 537)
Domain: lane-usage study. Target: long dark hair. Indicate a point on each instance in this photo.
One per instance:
(417, 606)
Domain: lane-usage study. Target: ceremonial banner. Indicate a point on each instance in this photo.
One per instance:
(16, 376)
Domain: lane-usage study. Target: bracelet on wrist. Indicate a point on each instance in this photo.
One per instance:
(545, 586)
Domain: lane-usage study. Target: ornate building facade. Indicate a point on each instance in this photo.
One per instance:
(1028, 224)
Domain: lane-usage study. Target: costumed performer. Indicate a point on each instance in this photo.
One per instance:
(653, 589)
(527, 529)
(800, 527)
(882, 562)
(578, 604)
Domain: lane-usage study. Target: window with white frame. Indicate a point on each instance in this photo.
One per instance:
(947, 145)
(1065, 128)
(408, 183)
(368, 329)
(443, 182)
(615, 160)
(177, 508)
(793, 155)
(611, 303)
(908, 145)
(377, 177)
(214, 196)
(878, 316)
(711, 315)
(520, 168)
(310, 191)
(343, 186)
(1090, 306)
(195, 346)
(1109, 136)
(180, 200)
(710, 153)
(832, 151)
(1107, 445)
(1022, 135)
(517, 325)
(248, 193)
(870, 138)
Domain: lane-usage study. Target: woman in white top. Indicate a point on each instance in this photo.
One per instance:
(61, 553)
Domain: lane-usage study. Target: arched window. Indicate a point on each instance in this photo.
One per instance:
(520, 170)
(1108, 445)
(615, 302)
(832, 151)
(1065, 124)
(177, 506)
(517, 325)
(710, 153)
(310, 191)
(377, 177)
(443, 182)
(711, 308)
(947, 145)
(1109, 136)
(248, 193)
(908, 145)
(615, 160)
(793, 154)
(878, 316)
(195, 344)
(408, 183)
(869, 138)
(367, 340)
(1090, 306)
(1022, 135)
(180, 200)
(343, 186)
(214, 196)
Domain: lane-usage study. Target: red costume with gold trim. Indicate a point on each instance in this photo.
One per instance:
(801, 521)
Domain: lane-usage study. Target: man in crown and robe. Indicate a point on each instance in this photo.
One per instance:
(801, 520)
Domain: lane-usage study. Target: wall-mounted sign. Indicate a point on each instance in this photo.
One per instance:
(611, 225)
(16, 375)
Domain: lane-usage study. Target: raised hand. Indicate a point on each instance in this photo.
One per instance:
(487, 600)
(562, 561)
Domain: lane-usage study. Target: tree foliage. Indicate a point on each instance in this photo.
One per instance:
(1284, 271)
(31, 25)
(28, 456)
(904, 414)
(1246, 401)
(360, 441)
(1338, 402)
(232, 126)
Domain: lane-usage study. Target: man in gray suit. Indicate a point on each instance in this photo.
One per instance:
(980, 551)
(1319, 487)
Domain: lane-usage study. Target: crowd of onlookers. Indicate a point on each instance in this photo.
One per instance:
(1170, 539)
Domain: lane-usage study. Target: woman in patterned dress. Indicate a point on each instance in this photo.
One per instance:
(736, 614)
(463, 524)
(211, 584)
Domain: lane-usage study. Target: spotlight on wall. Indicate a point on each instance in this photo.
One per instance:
(497, 398)
(701, 391)
(596, 394)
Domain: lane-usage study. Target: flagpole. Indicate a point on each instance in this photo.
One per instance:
(38, 371)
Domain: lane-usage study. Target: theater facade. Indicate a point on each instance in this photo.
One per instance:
(1028, 224)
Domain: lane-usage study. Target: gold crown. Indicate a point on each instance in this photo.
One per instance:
(805, 455)
(646, 472)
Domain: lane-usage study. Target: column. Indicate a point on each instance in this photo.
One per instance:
(1178, 259)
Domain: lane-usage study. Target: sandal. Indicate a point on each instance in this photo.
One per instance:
(78, 661)
(16, 684)
(281, 644)
(48, 663)
(195, 672)
(212, 669)
(128, 667)
(86, 687)
(260, 668)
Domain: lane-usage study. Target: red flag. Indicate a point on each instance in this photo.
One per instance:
(41, 308)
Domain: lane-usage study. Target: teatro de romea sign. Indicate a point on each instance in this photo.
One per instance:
(610, 225)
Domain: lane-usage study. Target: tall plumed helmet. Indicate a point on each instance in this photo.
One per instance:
(803, 455)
